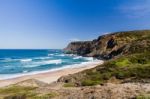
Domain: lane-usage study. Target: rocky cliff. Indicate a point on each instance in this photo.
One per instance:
(129, 54)
(110, 45)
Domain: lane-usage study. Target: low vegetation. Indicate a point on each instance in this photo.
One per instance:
(20, 92)
(135, 67)
(68, 85)
(144, 96)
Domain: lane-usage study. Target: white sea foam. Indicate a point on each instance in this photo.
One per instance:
(59, 61)
(77, 57)
(32, 65)
(8, 60)
(70, 55)
(50, 54)
(61, 55)
(89, 58)
(45, 62)
(83, 64)
(26, 60)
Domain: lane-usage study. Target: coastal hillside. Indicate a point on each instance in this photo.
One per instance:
(129, 54)
(112, 45)
(125, 73)
(131, 68)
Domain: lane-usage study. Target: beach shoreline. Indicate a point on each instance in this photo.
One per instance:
(51, 76)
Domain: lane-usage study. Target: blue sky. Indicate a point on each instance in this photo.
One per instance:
(54, 23)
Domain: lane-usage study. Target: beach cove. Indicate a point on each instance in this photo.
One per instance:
(51, 76)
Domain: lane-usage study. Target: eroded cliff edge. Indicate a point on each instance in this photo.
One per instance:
(128, 54)
(112, 45)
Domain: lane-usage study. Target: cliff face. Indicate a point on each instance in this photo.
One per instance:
(80, 48)
(129, 54)
(110, 45)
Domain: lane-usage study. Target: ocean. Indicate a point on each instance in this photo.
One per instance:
(16, 63)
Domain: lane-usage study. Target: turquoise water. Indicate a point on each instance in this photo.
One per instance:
(19, 62)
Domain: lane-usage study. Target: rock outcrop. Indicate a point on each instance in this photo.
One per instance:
(129, 54)
(108, 46)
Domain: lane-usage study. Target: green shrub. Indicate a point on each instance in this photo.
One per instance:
(68, 85)
(136, 66)
(122, 62)
(16, 89)
(106, 76)
(18, 96)
(145, 96)
(20, 92)
(17, 92)
(90, 82)
(45, 96)
(120, 75)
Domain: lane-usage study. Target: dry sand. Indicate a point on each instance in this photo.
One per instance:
(49, 77)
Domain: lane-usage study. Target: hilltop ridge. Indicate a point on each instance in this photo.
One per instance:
(111, 45)
(129, 58)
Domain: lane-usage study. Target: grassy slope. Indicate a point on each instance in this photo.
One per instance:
(136, 67)
(20, 92)
(130, 68)
(133, 65)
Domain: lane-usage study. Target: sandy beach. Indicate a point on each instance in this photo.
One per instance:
(49, 77)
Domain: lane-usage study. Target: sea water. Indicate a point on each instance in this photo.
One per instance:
(16, 63)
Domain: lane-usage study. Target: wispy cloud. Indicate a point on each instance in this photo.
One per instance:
(136, 9)
(106, 33)
(74, 39)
